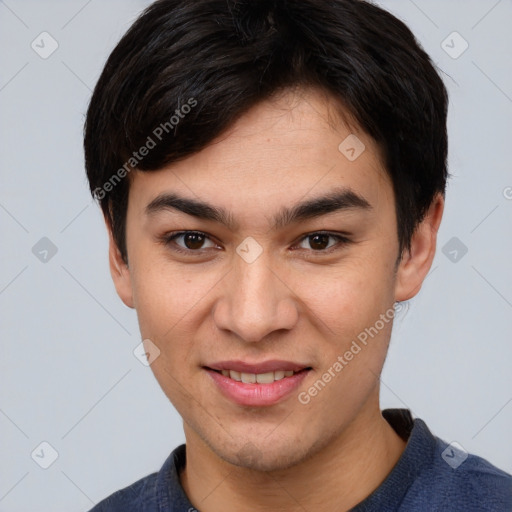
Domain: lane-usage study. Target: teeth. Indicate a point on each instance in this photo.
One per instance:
(235, 375)
(248, 378)
(265, 378)
(260, 378)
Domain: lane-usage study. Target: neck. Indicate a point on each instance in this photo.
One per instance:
(337, 477)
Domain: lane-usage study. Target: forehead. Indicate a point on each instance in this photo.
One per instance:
(282, 150)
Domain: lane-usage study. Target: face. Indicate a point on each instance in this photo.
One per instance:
(294, 260)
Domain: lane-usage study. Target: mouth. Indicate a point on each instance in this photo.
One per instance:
(261, 384)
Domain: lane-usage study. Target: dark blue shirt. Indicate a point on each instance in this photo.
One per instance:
(430, 476)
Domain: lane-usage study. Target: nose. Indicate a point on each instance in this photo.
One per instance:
(255, 301)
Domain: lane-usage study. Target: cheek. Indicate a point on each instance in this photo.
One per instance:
(167, 301)
(349, 297)
(165, 293)
(354, 344)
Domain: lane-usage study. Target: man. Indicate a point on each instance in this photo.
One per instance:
(272, 177)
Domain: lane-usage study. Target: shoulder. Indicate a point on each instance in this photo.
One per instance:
(436, 476)
(149, 493)
(130, 499)
(456, 480)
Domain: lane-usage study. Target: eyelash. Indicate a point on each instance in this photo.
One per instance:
(168, 238)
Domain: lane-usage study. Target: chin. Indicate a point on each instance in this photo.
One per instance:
(264, 456)
(251, 457)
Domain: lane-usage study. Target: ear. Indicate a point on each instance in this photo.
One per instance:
(416, 262)
(119, 270)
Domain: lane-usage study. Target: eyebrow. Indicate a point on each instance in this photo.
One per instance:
(337, 200)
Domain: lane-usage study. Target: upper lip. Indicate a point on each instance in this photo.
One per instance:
(263, 367)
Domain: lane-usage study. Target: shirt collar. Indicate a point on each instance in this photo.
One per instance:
(418, 454)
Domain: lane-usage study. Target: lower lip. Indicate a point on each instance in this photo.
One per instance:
(257, 394)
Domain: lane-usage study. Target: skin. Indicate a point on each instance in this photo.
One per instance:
(292, 304)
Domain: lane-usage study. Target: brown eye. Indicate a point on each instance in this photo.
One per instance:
(319, 242)
(188, 241)
(193, 240)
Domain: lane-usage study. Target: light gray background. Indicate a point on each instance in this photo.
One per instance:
(68, 374)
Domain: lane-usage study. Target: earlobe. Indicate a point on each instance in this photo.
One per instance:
(416, 263)
(120, 272)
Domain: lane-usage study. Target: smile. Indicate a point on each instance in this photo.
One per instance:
(257, 388)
